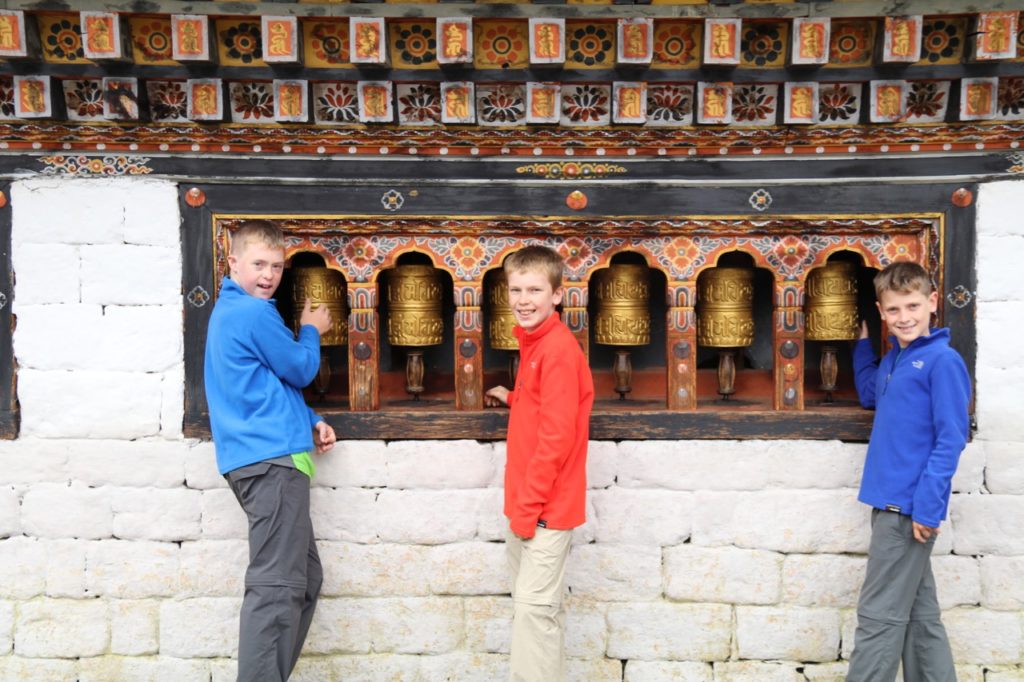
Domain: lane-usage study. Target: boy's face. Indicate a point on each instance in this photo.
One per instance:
(531, 298)
(907, 314)
(258, 269)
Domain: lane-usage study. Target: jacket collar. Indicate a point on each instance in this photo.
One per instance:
(936, 335)
(529, 338)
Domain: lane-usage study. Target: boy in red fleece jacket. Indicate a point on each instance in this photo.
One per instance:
(545, 472)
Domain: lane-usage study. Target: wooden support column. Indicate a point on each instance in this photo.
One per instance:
(469, 346)
(681, 346)
(363, 347)
(574, 314)
(788, 355)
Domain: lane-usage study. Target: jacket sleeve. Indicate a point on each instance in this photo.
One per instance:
(556, 428)
(865, 372)
(950, 393)
(294, 362)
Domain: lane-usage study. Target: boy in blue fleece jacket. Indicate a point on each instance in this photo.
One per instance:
(263, 431)
(920, 392)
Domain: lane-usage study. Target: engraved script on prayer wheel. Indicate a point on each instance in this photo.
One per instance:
(322, 286)
(726, 318)
(414, 299)
(832, 303)
(500, 319)
(623, 315)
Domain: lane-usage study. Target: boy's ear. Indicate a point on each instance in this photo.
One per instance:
(232, 261)
(556, 298)
(933, 301)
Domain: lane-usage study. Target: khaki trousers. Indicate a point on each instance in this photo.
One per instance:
(538, 622)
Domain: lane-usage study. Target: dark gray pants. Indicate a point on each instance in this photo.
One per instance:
(898, 615)
(284, 576)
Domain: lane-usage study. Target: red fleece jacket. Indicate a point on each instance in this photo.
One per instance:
(548, 429)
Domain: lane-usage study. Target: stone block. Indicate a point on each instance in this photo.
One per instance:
(39, 210)
(152, 215)
(340, 626)
(22, 567)
(45, 273)
(121, 405)
(129, 274)
(988, 524)
(586, 628)
(722, 574)
(428, 517)
(349, 514)
(10, 511)
(62, 628)
(602, 463)
(141, 338)
(849, 630)
(1002, 588)
(461, 666)
(592, 670)
(467, 568)
(642, 517)
(614, 572)
(156, 514)
(970, 471)
(756, 671)
(199, 628)
(132, 464)
(984, 637)
(310, 669)
(52, 510)
(201, 470)
(998, 320)
(1004, 674)
(354, 570)
(431, 625)
(44, 670)
(492, 524)
(440, 464)
(971, 673)
(377, 667)
(6, 627)
(222, 518)
(65, 568)
(825, 580)
(998, 410)
(133, 569)
(999, 207)
(225, 670)
(172, 403)
(999, 257)
(134, 627)
(957, 580)
(667, 671)
(1004, 467)
(353, 464)
(148, 669)
(826, 672)
(787, 633)
(214, 568)
(488, 624)
(659, 630)
(40, 460)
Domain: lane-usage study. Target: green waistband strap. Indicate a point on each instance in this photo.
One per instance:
(304, 463)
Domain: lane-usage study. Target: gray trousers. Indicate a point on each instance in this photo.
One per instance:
(898, 615)
(284, 576)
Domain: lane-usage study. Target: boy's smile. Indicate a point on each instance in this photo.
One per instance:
(258, 269)
(907, 314)
(531, 298)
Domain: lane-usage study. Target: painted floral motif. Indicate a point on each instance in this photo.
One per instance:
(501, 104)
(586, 104)
(682, 256)
(167, 101)
(251, 101)
(763, 44)
(669, 104)
(942, 41)
(754, 104)
(1011, 98)
(676, 43)
(84, 99)
(851, 43)
(927, 100)
(335, 103)
(151, 39)
(588, 44)
(6, 97)
(95, 165)
(468, 253)
(839, 102)
(328, 43)
(241, 43)
(1020, 36)
(900, 250)
(501, 45)
(64, 41)
(415, 44)
(419, 104)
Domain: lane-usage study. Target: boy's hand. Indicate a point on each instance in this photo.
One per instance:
(323, 437)
(863, 329)
(922, 533)
(496, 396)
(319, 318)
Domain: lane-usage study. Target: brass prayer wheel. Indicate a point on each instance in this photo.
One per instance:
(414, 299)
(726, 318)
(623, 315)
(832, 303)
(323, 287)
(500, 319)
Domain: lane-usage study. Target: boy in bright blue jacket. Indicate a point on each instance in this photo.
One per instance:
(255, 370)
(920, 392)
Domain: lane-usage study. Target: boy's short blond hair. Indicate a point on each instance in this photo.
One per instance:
(902, 277)
(256, 232)
(537, 258)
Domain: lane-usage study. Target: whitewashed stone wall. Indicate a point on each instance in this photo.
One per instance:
(122, 551)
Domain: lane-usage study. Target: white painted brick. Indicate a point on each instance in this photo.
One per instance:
(213, 568)
(340, 626)
(39, 209)
(353, 464)
(37, 669)
(201, 467)
(999, 257)
(1007, 674)
(62, 628)
(172, 403)
(353, 570)
(602, 463)
(999, 320)
(970, 673)
(659, 630)
(135, 464)
(162, 669)
(999, 207)
(309, 669)
(141, 338)
(199, 628)
(133, 569)
(467, 568)
(787, 633)
(988, 524)
(957, 580)
(51, 510)
(492, 524)
(10, 511)
(224, 670)
(440, 464)
(755, 671)
(223, 518)
(1004, 468)
(826, 580)
(1001, 585)
(123, 405)
(134, 627)
(381, 667)
(592, 670)
(22, 568)
(45, 273)
(428, 516)
(641, 517)
(152, 214)
(970, 471)
(40, 460)
(500, 458)
(586, 628)
(431, 625)
(722, 574)
(37, 346)
(667, 671)
(984, 637)
(6, 627)
(127, 274)
(849, 630)
(65, 568)
(488, 624)
(998, 409)
(587, 533)
(614, 572)
(783, 520)
(156, 514)
(458, 666)
(348, 514)
(826, 672)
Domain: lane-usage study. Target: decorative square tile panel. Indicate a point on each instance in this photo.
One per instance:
(995, 36)
(943, 40)
(151, 41)
(413, 44)
(927, 101)
(1010, 106)
(335, 103)
(754, 104)
(852, 42)
(501, 44)
(12, 34)
(669, 104)
(61, 38)
(629, 102)
(888, 101)
(901, 39)
(280, 39)
(375, 104)
(6, 98)
(418, 104)
(677, 44)
(291, 101)
(714, 103)
(458, 102)
(205, 99)
(764, 43)
(543, 102)
(367, 39)
(190, 37)
(547, 40)
(83, 99)
(455, 37)
(635, 40)
(978, 98)
(239, 43)
(251, 101)
(840, 103)
(32, 97)
(121, 99)
(801, 107)
(501, 105)
(168, 101)
(101, 35)
(811, 37)
(722, 39)
(586, 105)
(589, 44)
(325, 43)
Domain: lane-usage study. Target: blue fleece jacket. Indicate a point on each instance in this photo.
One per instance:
(255, 371)
(920, 395)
